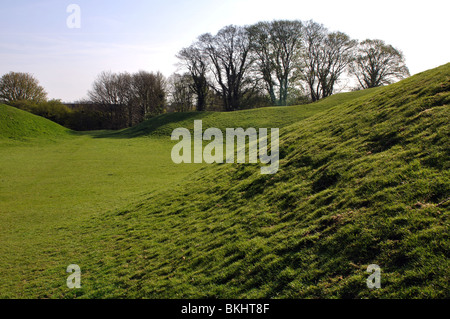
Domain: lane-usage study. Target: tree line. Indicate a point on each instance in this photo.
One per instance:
(275, 63)
(284, 60)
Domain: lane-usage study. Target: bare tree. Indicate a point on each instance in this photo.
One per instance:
(16, 86)
(142, 83)
(278, 46)
(327, 56)
(181, 93)
(286, 36)
(129, 98)
(108, 88)
(112, 92)
(314, 37)
(196, 62)
(229, 54)
(336, 59)
(262, 49)
(150, 90)
(377, 63)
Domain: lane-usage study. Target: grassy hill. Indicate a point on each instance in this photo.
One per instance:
(365, 182)
(364, 179)
(19, 125)
(266, 117)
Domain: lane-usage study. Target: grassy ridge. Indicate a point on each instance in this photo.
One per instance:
(366, 182)
(18, 125)
(266, 117)
(363, 180)
(49, 191)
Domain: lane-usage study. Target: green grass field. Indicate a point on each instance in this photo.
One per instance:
(364, 179)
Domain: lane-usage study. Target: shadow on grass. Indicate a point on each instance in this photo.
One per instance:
(146, 128)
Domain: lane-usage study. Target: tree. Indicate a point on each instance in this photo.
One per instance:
(142, 83)
(337, 55)
(327, 55)
(150, 92)
(228, 52)
(181, 93)
(112, 92)
(376, 64)
(110, 88)
(314, 37)
(21, 86)
(262, 49)
(196, 62)
(125, 93)
(128, 98)
(277, 46)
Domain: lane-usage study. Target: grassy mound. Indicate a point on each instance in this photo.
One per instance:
(49, 190)
(364, 179)
(365, 182)
(20, 125)
(267, 117)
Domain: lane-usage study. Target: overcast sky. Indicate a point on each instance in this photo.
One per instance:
(132, 35)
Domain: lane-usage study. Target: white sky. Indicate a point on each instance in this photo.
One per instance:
(130, 35)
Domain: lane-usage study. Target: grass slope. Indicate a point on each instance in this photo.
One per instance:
(18, 125)
(362, 181)
(49, 190)
(366, 182)
(266, 117)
